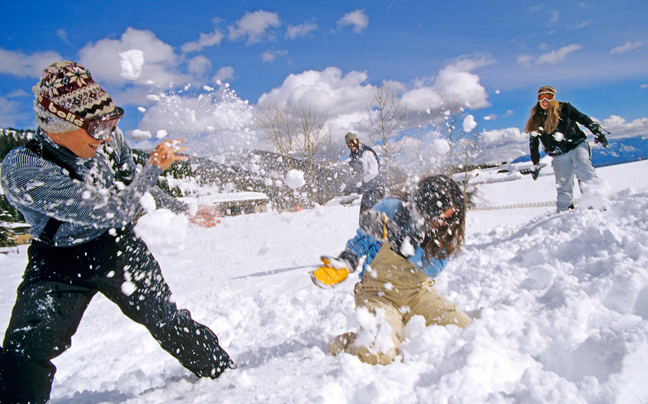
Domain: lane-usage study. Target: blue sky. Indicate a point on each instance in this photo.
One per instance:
(491, 55)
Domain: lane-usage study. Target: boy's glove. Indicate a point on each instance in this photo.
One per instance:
(600, 138)
(535, 172)
(331, 273)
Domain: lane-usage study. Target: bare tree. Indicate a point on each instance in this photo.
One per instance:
(279, 127)
(386, 114)
(300, 133)
(313, 134)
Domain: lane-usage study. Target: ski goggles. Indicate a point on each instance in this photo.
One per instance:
(546, 96)
(353, 142)
(99, 128)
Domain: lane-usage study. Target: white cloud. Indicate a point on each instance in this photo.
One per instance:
(525, 60)
(619, 128)
(327, 90)
(11, 112)
(63, 36)
(503, 145)
(269, 56)
(344, 98)
(358, 19)
(224, 74)
(557, 56)
(500, 137)
(583, 24)
(255, 26)
(627, 47)
(160, 66)
(295, 31)
(199, 65)
(555, 16)
(455, 82)
(549, 58)
(21, 65)
(205, 41)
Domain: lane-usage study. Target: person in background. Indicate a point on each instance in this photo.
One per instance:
(405, 244)
(77, 186)
(366, 172)
(555, 125)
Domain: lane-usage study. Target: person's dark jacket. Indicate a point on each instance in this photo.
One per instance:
(567, 135)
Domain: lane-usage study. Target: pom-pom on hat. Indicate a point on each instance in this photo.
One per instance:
(71, 86)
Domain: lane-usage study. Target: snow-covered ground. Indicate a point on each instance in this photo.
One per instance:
(560, 303)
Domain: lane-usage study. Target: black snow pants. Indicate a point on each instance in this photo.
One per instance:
(57, 287)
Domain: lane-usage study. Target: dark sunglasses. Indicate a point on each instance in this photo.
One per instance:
(353, 142)
(545, 96)
(99, 128)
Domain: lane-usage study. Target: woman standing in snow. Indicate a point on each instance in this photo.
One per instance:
(555, 125)
(77, 186)
(406, 243)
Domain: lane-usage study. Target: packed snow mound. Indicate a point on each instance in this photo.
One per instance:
(561, 306)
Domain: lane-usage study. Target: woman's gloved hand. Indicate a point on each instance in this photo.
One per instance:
(334, 271)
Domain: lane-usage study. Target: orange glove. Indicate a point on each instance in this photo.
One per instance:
(331, 273)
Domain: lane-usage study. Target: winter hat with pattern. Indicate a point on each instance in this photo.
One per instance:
(71, 86)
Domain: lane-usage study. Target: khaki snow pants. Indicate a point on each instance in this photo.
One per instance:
(395, 287)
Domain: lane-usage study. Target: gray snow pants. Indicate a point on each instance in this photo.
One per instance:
(58, 285)
(577, 161)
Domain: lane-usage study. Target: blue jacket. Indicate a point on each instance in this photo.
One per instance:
(365, 245)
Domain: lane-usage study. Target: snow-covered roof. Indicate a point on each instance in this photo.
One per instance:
(12, 225)
(230, 197)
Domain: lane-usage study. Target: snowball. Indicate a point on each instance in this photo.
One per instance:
(295, 179)
(131, 64)
(140, 135)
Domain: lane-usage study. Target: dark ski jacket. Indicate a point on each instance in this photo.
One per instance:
(88, 196)
(567, 135)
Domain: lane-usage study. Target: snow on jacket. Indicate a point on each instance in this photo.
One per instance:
(567, 135)
(365, 163)
(389, 216)
(41, 189)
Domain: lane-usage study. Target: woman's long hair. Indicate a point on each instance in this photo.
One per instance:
(537, 122)
(445, 240)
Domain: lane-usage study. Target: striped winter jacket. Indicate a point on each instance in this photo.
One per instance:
(88, 206)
